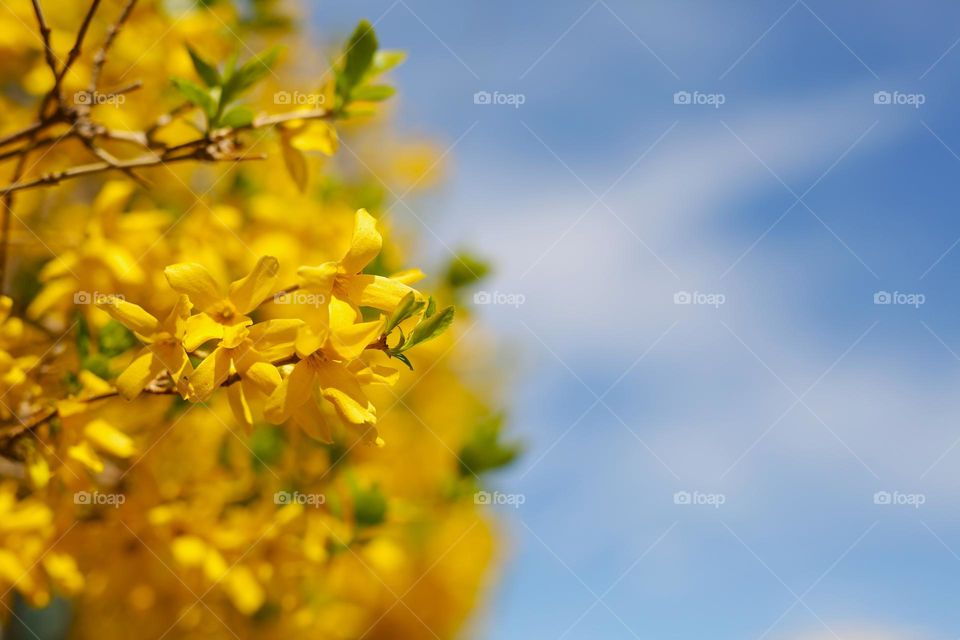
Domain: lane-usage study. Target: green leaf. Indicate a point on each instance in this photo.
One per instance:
(115, 339)
(197, 95)
(408, 306)
(485, 450)
(404, 359)
(266, 446)
(207, 72)
(429, 328)
(360, 52)
(385, 60)
(237, 117)
(369, 506)
(249, 73)
(373, 92)
(466, 269)
(431, 307)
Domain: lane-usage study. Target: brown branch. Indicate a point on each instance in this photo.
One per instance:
(45, 36)
(78, 43)
(100, 59)
(201, 149)
(56, 177)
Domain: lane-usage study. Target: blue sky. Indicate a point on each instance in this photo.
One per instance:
(794, 401)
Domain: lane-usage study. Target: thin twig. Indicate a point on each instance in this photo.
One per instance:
(45, 36)
(100, 59)
(78, 43)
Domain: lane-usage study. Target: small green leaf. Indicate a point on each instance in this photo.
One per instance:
(197, 95)
(429, 328)
(207, 72)
(115, 339)
(431, 307)
(360, 52)
(408, 306)
(485, 450)
(373, 92)
(466, 269)
(404, 359)
(237, 117)
(249, 73)
(385, 60)
(266, 446)
(369, 506)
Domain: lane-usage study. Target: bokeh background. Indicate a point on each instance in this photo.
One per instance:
(795, 401)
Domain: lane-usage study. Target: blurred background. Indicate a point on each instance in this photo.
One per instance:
(726, 248)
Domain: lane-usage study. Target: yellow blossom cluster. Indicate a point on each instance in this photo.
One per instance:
(209, 425)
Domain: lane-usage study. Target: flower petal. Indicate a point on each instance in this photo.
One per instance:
(349, 342)
(340, 387)
(310, 418)
(239, 404)
(291, 394)
(85, 455)
(247, 293)
(210, 373)
(102, 434)
(194, 280)
(200, 328)
(365, 244)
(374, 291)
(132, 316)
(319, 278)
(144, 368)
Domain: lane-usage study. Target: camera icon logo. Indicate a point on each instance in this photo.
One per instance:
(82, 497)
(882, 497)
(82, 297)
(882, 97)
(682, 497)
(82, 97)
(482, 497)
(482, 97)
(282, 497)
(482, 297)
(282, 97)
(882, 297)
(682, 97)
(682, 297)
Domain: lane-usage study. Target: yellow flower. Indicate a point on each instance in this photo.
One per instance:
(324, 374)
(164, 350)
(100, 435)
(344, 279)
(106, 260)
(252, 360)
(223, 316)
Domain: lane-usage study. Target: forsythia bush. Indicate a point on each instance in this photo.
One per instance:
(210, 426)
